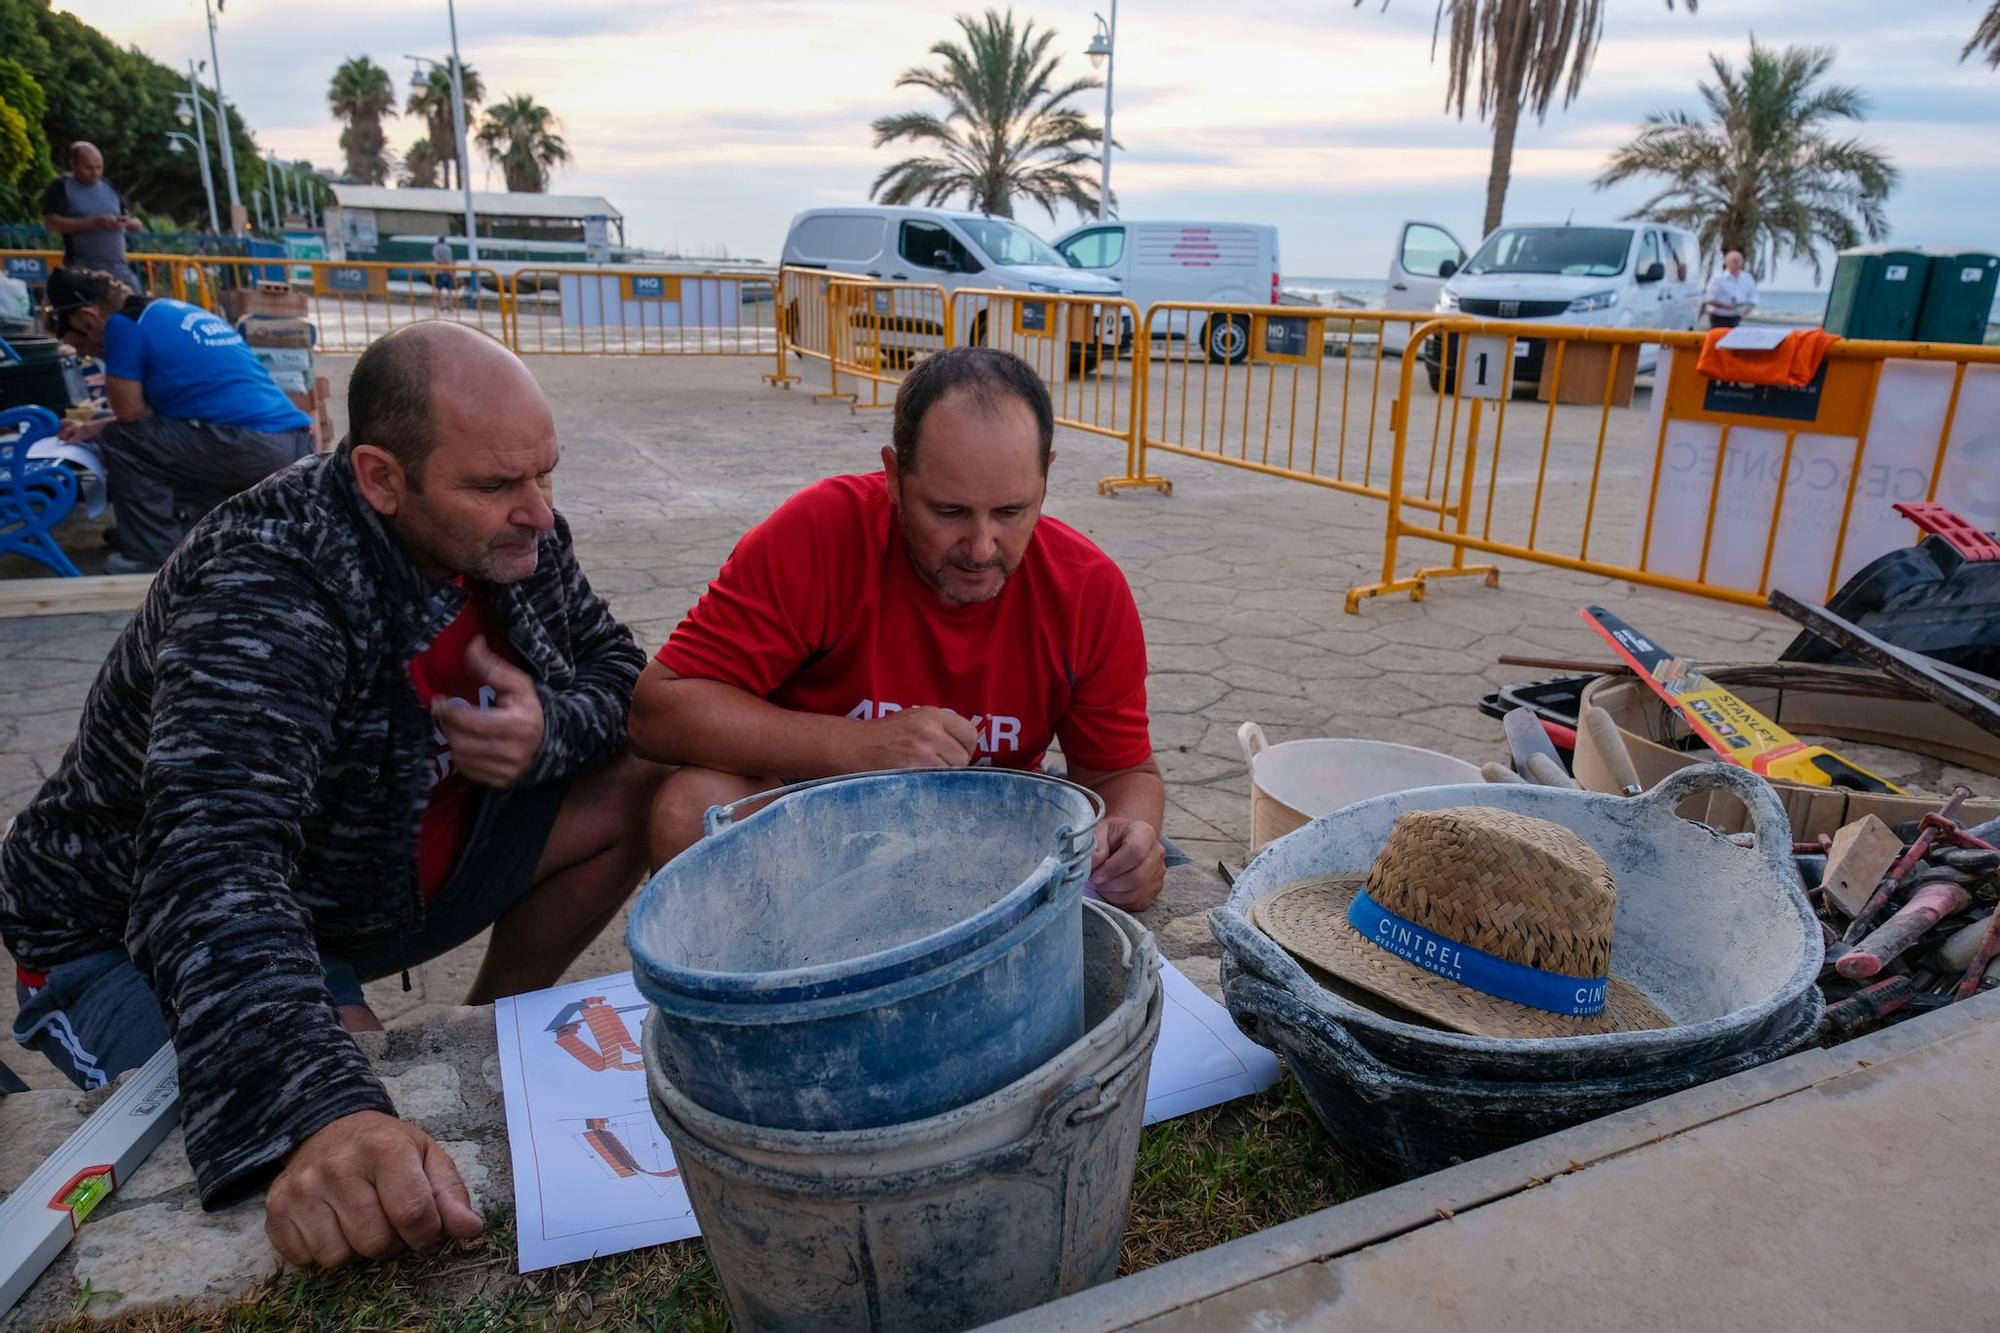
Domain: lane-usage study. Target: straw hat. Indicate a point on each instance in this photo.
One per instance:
(1482, 920)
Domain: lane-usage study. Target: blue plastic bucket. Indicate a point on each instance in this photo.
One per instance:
(873, 949)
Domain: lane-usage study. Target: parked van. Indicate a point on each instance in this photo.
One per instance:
(948, 249)
(1217, 263)
(1628, 276)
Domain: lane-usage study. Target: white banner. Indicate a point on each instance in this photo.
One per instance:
(1905, 423)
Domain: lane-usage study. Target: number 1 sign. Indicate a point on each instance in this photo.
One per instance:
(1484, 369)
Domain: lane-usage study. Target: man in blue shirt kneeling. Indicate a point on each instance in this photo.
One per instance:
(195, 416)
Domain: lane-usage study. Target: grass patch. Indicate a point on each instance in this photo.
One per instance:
(1229, 1171)
(1201, 1180)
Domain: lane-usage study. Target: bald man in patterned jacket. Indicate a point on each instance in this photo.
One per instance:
(369, 708)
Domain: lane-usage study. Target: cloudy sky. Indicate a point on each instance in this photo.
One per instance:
(710, 124)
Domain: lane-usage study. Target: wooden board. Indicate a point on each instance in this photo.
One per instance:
(68, 597)
(1861, 854)
(1586, 369)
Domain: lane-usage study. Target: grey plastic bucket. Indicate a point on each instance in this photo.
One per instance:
(944, 1223)
(1396, 1123)
(1718, 936)
(872, 949)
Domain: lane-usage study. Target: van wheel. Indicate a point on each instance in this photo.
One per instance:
(1083, 359)
(1440, 381)
(789, 328)
(978, 330)
(1227, 338)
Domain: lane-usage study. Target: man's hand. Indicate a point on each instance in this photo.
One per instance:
(82, 432)
(368, 1185)
(493, 746)
(914, 738)
(108, 222)
(1128, 867)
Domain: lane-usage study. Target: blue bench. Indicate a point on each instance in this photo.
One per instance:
(34, 495)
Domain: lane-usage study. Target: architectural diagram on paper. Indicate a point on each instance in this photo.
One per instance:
(594, 1174)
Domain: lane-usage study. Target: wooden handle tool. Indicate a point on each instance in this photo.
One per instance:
(1549, 773)
(1604, 734)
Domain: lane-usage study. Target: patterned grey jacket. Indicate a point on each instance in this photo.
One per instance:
(246, 785)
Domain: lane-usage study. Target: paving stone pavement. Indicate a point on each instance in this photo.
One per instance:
(1239, 580)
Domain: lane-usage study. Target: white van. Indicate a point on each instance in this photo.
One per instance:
(1628, 276)
(1216, 263)
(952, 250)
(944, 248)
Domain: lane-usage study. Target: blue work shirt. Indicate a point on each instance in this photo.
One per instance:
(194, 367)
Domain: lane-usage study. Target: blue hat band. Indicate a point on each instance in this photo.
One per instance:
(1577, 997)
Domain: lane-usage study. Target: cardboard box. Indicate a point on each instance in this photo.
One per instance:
(275, 359)
(266, 298)
(276, 331)
(1915, 725)
(293, 381)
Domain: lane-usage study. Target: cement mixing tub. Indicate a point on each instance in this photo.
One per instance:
(988, 1209)
(871, 949)
(1295, 782)
(1718, 936)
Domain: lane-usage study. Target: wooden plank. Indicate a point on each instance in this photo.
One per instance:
(68, 597)
(1861, 854)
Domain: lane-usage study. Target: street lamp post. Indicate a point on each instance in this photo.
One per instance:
(458, 128)
(221, 118)
(176, 139)
(1103, 55)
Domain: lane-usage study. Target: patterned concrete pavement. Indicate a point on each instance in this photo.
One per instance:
(1239, 579)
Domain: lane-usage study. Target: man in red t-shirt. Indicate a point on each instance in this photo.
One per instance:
(925, 616)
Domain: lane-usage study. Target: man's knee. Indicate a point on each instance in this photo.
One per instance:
(684, 800)
(606, 809)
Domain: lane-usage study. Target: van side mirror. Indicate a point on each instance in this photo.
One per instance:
(942, 259)
(1447, 267)
(1653, 272)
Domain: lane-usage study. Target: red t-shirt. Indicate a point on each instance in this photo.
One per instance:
(440, 672)
(817, 609)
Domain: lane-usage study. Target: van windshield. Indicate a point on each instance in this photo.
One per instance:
(1009, 243)
(1579, 252)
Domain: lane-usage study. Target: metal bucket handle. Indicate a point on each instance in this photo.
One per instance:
(1076, 843)
(1767, 813)
(1258, 1007)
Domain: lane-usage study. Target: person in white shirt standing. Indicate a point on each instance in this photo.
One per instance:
(1732, 293)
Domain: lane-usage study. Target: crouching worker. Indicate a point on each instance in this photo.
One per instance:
(368, 709)
(923, 616)
(195, 416)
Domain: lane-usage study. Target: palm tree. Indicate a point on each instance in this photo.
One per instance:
(1986, 37)
(1526, 49)
(1005, 131)
(420, 166)
(519, 137)
(362, 95)
(1765, 175)
(431, 99)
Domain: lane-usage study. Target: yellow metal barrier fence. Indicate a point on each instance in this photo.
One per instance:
(879, 331)
(575, 311)
(1289, 391)
(1716, 489)
(1074, 344)
(178, 276)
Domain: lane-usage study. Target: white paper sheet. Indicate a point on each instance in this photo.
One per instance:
(593, 1174)
(1754, 337)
